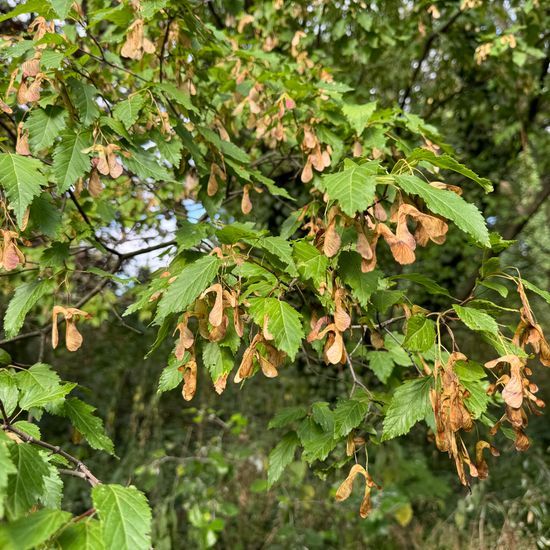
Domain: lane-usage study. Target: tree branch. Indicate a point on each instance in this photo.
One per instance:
(427, 46)
(81, 470)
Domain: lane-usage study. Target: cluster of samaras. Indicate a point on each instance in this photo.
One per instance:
(212, 311)
(517, 391)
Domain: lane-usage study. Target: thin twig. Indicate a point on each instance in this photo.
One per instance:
(80, 466)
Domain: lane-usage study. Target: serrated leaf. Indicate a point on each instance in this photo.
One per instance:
(25, 297)
(448, 163)
(353, 188)
(476, 320)
(359, 115)
(21, 179)
(89, 425)
(9, 393)
(381, 363)
(420, 335)
(171, 377)
(69, 162)
(84, 95)
(127, 111)
(311, 264)
(84, 535)
(323, 415)
(179, 96)
(281, 249)
(449, 205)
(40, 386)
(27, 485)
(410, 403)
(193, 279)
(284, 323)
(33, 530)
(477, 400)
(469, 371)
(363, 285)
(316, 442)
(286, 416)
(53, 488)
(61, 7)
(44, 125)
(6, 468)
(125, 517)
(237, 231)
(217, 360)
(348, 414)
(143, 164)
(281, 456)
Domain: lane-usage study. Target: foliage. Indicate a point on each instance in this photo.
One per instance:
(214, 173)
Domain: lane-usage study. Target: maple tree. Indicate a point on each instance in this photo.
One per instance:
(282, 214)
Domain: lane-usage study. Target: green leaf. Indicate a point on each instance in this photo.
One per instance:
(53, 488)
(24, 299)
(44, 125)
(27, 486)
(381, 363)
(84, 100)
(281, 456)
(476, 320)
(171, 377)
(6, 468)
(21, 179)
(144, 165)
(410, 403)
(84, 535)
(323, 415)
(40, 386)
(469, 371)
(362, 285)
(61, 7)
(32, 530)
(179, 96)
(348, 414)
(9, 394)
(359, 115)
(30, 6)
(89, 425)
(310, 262)
(69, 162)
(284, 323)
(127, 111)
(448, 163)
(545, 295)
(217, 360)
(281, 249)
(382, 300)
(125, 517)
(238, 231)
(353, 188)
(316, 442)
(193, 279)
(190, 234)
(429, 284)
(449, 205)
(287, 416)
(420, 335)
(497, 287)
(478, 400)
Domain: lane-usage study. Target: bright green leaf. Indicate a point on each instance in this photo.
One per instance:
(125, 517)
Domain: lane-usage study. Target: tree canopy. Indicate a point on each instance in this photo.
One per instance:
(350, 192)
